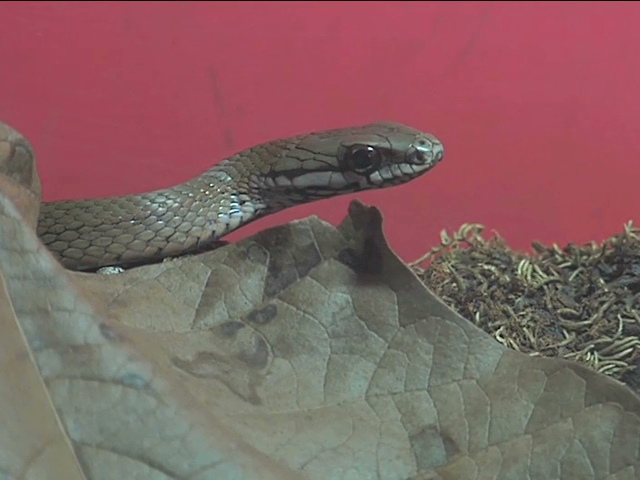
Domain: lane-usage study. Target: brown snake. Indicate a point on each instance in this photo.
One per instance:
(146, 228)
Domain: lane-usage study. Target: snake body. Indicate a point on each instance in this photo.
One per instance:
(146, 228)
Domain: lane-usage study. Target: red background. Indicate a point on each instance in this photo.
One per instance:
(537, 104)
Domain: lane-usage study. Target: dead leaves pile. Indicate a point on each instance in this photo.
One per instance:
(303, 352)
(580, 303)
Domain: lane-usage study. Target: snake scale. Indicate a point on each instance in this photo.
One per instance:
(147, 228)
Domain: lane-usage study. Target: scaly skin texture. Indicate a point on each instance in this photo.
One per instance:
(146, 228)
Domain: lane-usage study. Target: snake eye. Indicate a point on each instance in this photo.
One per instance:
(363, 158)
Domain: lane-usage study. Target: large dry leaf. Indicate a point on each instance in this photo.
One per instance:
(305, 351)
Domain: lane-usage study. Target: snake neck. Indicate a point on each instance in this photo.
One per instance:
(132, 230)
(225, 199)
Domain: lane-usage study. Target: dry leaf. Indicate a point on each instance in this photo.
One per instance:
(19, 179)
(305, 351)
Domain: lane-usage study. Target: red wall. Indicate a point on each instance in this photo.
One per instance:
(537, 104)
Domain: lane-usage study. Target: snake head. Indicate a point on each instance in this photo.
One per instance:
(346, 160)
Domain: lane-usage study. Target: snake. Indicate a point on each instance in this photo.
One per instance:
(132, 230)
